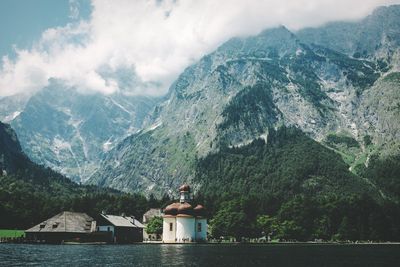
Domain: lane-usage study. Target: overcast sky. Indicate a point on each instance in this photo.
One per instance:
(84, 43)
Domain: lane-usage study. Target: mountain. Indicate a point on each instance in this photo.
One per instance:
(30, 193)
(13, 162)
(69, 130)
(271, 168)
(25, 186)
(341, 92)
(290, 133)
(12, 106)
(375, 37)
(10, 150)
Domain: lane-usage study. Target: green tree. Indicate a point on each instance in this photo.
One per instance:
(267, 225)
(347, 230)
(230, 220)
(290, 230)
(155, 226)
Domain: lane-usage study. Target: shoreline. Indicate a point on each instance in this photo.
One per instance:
(273, 243)
(219, 243)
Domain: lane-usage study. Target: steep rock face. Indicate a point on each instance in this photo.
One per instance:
(380, 113)
(250, 85)
(68, 131)
(14, 163)
(12, 106)
(375, 36)
(10, 150)
(334, 83)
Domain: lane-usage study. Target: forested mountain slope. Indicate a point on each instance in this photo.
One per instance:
(344, 97)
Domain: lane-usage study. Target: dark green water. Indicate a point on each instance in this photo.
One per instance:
(199, 255)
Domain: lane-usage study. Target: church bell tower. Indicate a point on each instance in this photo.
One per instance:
(184, 191)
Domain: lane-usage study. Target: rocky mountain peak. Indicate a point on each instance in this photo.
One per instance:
(249, 87)
(69, 129)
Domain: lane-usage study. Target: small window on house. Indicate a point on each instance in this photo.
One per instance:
(171, 226)
(55, 225)
(198, 227)
(108, 229)
(42, 226)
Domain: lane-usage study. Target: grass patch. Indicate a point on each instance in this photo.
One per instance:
(392, 77)
(11, 233)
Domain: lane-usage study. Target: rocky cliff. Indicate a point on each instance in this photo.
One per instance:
(337, 83)
(69, 130)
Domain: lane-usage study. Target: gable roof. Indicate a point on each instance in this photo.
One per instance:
(123, 221)
(138, 224)
(67, 221)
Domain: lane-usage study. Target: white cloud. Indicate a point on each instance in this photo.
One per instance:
(155, 40)
(73, 9)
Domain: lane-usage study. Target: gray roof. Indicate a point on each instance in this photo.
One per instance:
(70, 222)
(123, 221)
(138, 224)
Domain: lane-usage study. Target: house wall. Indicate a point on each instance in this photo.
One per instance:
(169, 236)
(202, 235)
(128, 235)
(55, 237)
(185, 229)
(151, 237)
(104, 228)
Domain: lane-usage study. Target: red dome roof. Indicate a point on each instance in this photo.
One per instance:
(185, 208)
(172, 209)
(184, 188)
(199, 210)
(199, 207)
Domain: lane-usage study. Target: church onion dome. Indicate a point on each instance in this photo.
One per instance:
(184, 188)
(199, 210)
(185, 208)
(172, 209)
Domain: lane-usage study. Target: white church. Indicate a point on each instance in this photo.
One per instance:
(182, 223)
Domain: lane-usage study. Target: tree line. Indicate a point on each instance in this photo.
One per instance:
(293, 188)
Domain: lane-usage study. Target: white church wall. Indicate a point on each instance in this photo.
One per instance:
(201, 230)
(185, 231)
(169, 230)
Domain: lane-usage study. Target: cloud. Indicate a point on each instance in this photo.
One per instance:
(73, 9)
(141, 46)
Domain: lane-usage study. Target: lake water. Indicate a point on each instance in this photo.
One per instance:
(200, 255)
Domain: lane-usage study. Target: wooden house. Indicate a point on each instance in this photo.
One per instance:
(65, 226)
(122, 229)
